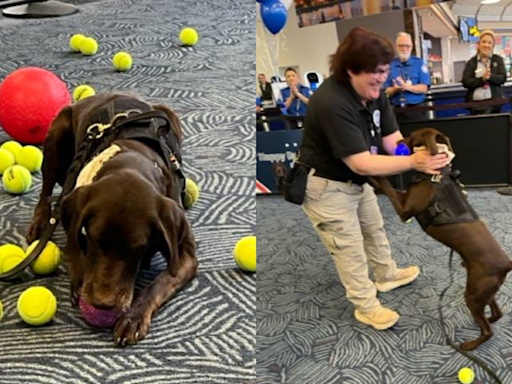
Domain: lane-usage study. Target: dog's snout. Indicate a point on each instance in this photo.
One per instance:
(105, 302)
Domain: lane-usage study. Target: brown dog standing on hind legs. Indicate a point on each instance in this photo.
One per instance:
(125, 207)
(441, 208)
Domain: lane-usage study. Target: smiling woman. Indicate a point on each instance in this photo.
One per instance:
(349, 126)
(484, 75)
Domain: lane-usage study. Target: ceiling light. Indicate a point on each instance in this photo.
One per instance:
(489, 1)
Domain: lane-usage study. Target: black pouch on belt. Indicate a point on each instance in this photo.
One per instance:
(295, 183)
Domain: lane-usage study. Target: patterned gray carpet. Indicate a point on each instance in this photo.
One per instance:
(306, 331)
(206, 334)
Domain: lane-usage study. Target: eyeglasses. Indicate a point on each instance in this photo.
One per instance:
(380, 71)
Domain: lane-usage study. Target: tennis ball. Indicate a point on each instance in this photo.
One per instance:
(466, 375)
(74, 42)
(37, 305)
(83, 91)
(191, 193)
(6, 160)
(47, 261)
(245, 253)
(10, 256)
(189, 36)
(88, 46)
(122, 61)
(17, 180)
(11, 146)
(30, 157)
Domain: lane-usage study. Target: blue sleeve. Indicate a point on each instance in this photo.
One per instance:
(285, 94)
(424, 75)
(306, 92)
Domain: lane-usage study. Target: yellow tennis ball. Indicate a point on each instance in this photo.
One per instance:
(88, 46)
(245, 253)
(17, 180)
(466, 375)
(74, 42)
(10, 256)
(82, 92)
(6, 160)
(47, 261)
(122, 61)
(37, 305)
(189, 36)
(30, 157)
(11, 146)
(191, 193)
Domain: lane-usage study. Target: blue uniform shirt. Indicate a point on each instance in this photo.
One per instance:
(297, 107)
(414, 70)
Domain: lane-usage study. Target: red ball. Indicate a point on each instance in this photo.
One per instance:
(30, 98)
(98, 317)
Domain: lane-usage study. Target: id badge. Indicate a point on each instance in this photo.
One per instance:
(374, 150)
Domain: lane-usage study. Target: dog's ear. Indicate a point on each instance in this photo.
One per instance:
(71, 216)
(444, 140)
(175, 228)
(173, 118)
(430, 141)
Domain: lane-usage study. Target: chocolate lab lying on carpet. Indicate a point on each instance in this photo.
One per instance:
(441, 208)
(125, 207)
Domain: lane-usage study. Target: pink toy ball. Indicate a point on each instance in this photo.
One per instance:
(30, 98)
(100, 318)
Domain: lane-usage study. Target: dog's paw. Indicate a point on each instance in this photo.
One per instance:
(34, 231)
(74, 294)
(131, 328)
(494, 318)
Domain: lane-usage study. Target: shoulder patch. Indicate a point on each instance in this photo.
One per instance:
(424, 68)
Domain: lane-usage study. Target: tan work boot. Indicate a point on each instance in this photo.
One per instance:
(403, 277)
(380, 318)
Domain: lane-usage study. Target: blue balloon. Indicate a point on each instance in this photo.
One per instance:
(402, 150)
(273, 14)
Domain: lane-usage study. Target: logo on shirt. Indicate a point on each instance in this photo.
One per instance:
(376, 118)
(495, 64)
(424, 68)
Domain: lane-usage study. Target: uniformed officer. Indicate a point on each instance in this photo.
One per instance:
(349, 127)
(295, 96)
(408, 80)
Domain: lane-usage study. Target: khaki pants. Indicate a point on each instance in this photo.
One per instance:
(348, 220)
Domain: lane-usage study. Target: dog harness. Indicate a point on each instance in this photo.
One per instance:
(450, 204)
(118, 120)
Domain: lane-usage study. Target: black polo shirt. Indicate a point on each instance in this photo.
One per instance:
(339, 125)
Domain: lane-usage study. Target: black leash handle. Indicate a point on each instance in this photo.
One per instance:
(45, 237)
(475, 359)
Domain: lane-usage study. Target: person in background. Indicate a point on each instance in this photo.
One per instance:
(349, 130)
(265, 89)
(295, 96)
(408, 81)
(484, 74)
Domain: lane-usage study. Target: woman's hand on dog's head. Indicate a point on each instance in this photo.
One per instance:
(423, 161)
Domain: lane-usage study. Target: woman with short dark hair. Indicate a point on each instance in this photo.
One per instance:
(349, 126)
(295, 96)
